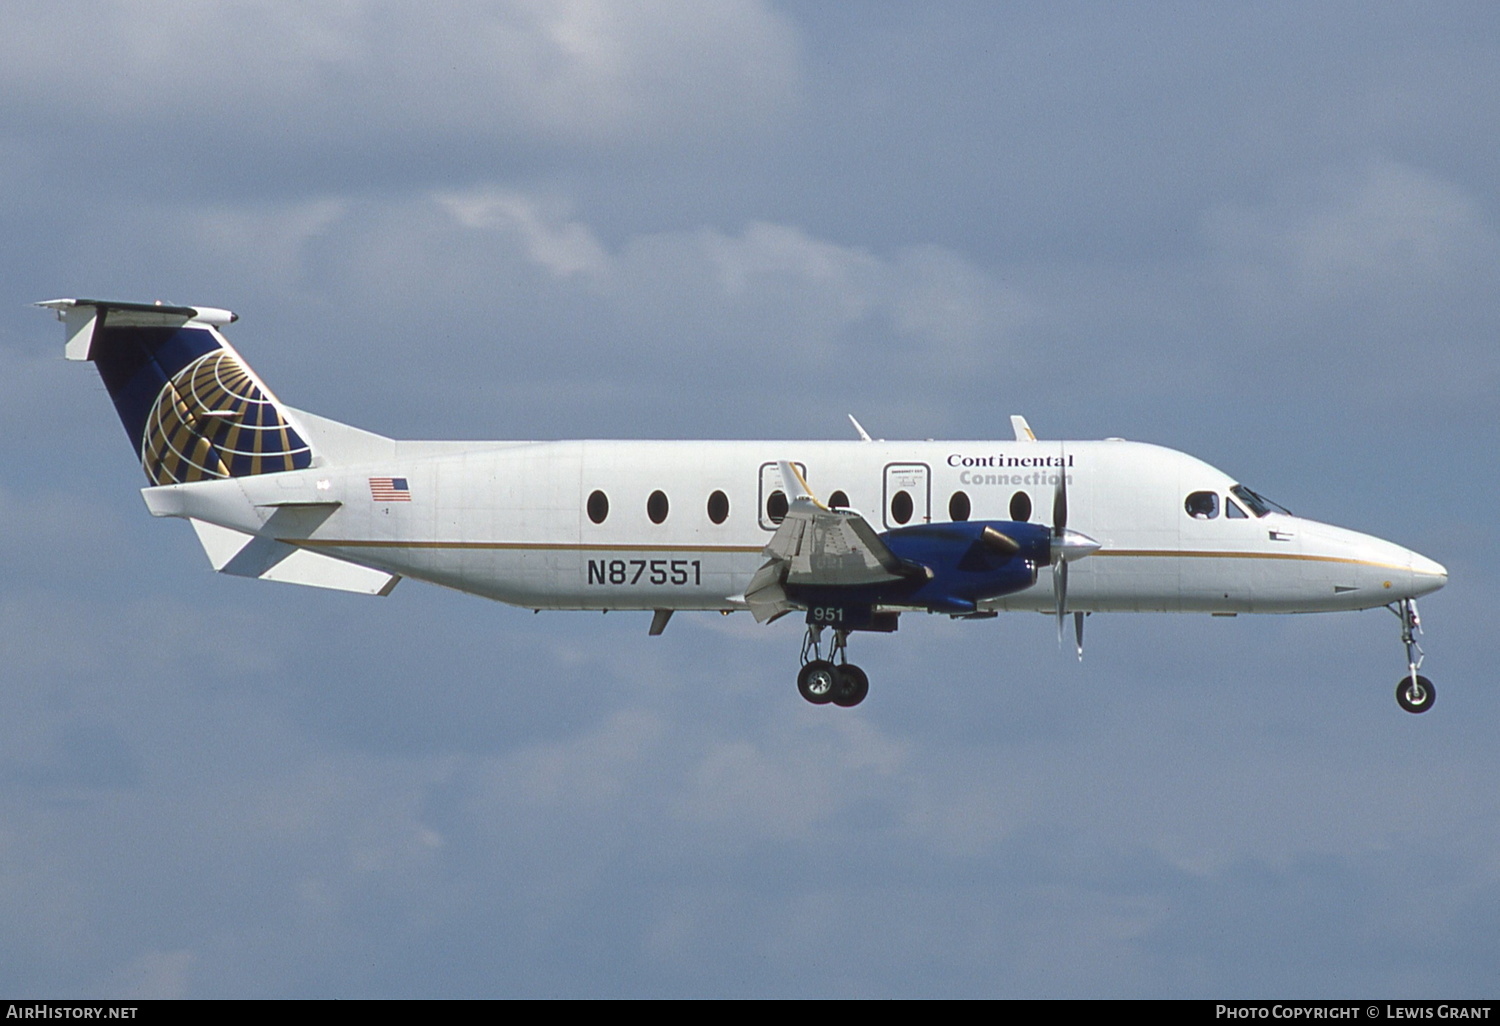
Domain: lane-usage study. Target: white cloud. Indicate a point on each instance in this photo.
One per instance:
(512, 288)
(265, 244)
(786, 287)
(1386, 225)
(1384, 267)
(745, 267)
(152, 976)
(807, 773)
(585, 70)
(563, 246)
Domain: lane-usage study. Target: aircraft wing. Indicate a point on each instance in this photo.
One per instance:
(831, 547)
(822, 547)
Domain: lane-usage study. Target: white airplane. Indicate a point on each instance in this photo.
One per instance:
(280, 494)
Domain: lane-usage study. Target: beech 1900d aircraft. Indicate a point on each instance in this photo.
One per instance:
(967, 529)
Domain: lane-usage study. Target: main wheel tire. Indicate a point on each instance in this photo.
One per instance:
(853, 686)
(818, 681)
(1418, 697)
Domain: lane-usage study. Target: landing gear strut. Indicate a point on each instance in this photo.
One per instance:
(1414, 692)
(822, 680)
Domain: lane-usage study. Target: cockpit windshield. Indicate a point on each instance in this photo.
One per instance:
(1259, 504)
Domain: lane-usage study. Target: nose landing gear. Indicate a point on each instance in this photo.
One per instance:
(1414, 692)
(822, 681)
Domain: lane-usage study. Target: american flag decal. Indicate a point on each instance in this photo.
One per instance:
(389, 489)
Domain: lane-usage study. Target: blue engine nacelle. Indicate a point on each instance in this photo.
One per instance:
(953, 567)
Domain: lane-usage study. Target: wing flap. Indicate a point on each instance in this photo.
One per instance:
(764, 595)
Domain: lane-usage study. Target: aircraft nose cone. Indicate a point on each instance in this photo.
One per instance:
(1428, 574)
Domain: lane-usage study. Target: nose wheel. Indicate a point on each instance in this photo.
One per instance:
(1414, 692)
(822, 681)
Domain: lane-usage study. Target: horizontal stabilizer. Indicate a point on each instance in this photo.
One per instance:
(192, 409)
(81, 316)
(220, 543)
(319, 571)
(244, 555)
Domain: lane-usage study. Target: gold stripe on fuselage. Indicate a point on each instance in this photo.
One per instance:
(537, 546)
(599, 547)
(1194, 554)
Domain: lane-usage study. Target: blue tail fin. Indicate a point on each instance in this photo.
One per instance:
(191, 407)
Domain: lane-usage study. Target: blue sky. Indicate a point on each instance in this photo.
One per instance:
(1268, 236)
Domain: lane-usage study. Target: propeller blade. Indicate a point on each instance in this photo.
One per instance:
(1059, 529)
(1060, 503)
(1060, 593)
(1066, 546)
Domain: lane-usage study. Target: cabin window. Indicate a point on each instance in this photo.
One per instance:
(1020, 507)
(838, 500)
(959, 507)
(598, 507)
(718, 507)
(1232, 510)
(656, 507)
(1202, 505)
(901, 507)
(776, 506)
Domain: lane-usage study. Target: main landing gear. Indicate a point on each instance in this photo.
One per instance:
(1415, 692)
(823, 680)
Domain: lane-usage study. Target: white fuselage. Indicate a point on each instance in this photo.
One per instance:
(510, 521)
